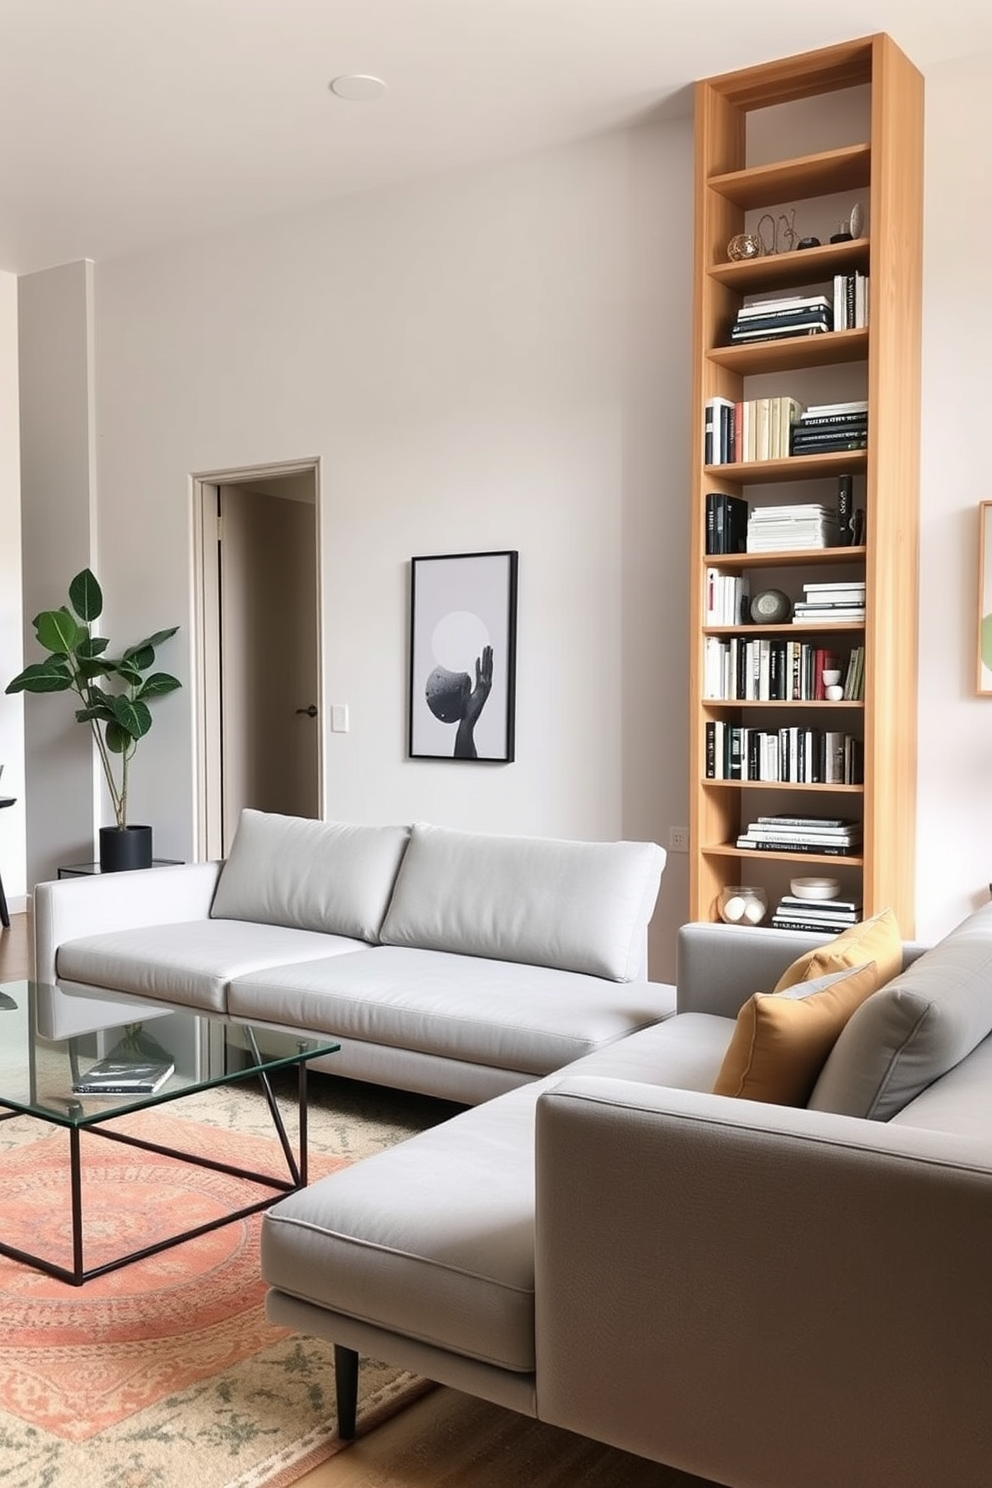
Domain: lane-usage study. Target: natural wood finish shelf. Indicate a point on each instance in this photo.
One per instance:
(886, 171)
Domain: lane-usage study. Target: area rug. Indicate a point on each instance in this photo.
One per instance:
(166, 1371)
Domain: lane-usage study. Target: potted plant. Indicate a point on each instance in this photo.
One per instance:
(77, 662)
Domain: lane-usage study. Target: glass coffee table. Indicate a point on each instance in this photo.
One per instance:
(49, 1039)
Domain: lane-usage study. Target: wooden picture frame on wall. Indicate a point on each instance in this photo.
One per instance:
(984, 681)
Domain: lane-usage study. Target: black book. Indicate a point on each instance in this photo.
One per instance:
(834, 420)
(845, 509)
(121, 1075)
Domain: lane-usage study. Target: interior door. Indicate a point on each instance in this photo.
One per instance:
(270, 724)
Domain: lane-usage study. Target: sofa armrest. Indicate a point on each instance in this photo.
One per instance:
(763, 1295)
(721, 966)
(67, 908)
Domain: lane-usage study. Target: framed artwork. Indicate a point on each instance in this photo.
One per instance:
(463, 637)
(985, 599)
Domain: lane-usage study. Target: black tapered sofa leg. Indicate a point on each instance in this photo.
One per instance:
(346, 1389)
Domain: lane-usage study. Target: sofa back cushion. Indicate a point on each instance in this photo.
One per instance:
(913, 1030)
(579, 906)
(314, 875)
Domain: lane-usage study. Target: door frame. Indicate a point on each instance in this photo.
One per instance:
(206, 639)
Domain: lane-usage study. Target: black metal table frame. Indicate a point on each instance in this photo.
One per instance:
(297, 1166)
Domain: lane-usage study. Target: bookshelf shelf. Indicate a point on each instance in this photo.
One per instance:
(879, 363)
(796, 467)
(830, 349)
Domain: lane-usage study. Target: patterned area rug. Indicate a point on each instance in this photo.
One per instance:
(170, 1360)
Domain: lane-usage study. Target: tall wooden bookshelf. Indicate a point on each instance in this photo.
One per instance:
(734, 190)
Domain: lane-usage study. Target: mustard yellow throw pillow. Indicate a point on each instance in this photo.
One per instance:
(878, 939)
(782, 1039)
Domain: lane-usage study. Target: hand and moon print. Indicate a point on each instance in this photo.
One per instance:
(462, 657)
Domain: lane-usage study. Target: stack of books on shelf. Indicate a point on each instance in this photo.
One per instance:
(793, 315)
(784, 756)
(828, 836)
(850, 302)
(772, 529)
(755, 429)
(825, 428)
(728, 598)
(726, 523)
(829, 915)
(843, 600)
(745, 669)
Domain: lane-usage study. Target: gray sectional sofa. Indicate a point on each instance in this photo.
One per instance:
(457, 964)
(767, 1296)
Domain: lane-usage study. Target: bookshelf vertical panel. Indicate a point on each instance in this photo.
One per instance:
(886, 474)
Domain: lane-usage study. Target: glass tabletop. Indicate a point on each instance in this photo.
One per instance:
(50, 1040)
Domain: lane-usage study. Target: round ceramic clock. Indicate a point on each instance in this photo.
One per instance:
(770, 607)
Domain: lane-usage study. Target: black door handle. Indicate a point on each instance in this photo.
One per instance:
(311, 712)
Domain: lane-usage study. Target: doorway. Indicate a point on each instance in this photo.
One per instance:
(257, 609)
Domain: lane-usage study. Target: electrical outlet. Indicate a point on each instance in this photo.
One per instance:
(678, 839)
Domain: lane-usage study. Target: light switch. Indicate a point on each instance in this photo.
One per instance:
(339, 718)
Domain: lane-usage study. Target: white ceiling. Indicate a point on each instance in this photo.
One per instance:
(127, 123)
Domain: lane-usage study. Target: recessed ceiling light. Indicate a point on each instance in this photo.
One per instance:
(357, 86)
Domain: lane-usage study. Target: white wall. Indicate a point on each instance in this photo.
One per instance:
(499, 359)
(490, 360)
(954, 846)
(12, 818)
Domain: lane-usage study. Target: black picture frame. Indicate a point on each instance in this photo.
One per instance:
(463, 645)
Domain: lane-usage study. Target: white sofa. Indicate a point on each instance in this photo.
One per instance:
(767, 1296)
(457, 964)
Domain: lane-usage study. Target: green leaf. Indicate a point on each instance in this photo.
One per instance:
(134, 718)
(90, 669)
(153, 641)
(94, 711)
(58, 631)
(157, 685)
(92, 646)
(42, 676)
(119, 741)
(128, 673)
(85, 596)
(139, 658)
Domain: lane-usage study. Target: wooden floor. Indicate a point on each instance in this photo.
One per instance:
(445, 1439)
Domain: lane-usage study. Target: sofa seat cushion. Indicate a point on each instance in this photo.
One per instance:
(190, 963)
(577, 906)
(683, 1053)
(315, 875)
(433, 1238)
(496, 1013)
(915, 1029)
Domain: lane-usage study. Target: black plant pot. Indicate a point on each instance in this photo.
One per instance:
(125, 847)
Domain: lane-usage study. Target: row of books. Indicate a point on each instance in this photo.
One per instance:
(726, 523)
(766, 670)
(728, 598)
(850, 301)
(840, 600)
(772, 529)
(752, 429)
(790, 756)
(832, 916)
(826, 836)
(828, 427)
(790, 315)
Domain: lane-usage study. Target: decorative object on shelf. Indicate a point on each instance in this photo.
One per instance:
(984, 688)
(857, 220)
(463, 634)
(78, 662)
(770, 607)
(782, 231)
(745, 245)
(832, 690)
(742, 904)
(808, 243)
(815, 888)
